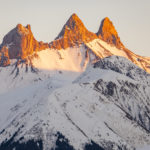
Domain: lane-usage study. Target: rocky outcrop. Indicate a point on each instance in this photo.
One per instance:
(4, 57)
(74, 32)
(21, 43)
(108, 33)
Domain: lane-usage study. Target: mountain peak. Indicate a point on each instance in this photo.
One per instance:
(19, 26)
(73, 32)
(21, 43)
(108, 33)
(28, 26)
(107, 19)
(74, 23)
(21, 29)
(74, 16)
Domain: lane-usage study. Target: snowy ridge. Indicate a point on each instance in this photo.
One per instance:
(102, 50)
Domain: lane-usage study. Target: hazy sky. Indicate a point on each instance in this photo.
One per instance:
(130, 17)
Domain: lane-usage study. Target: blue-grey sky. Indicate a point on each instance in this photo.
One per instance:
(130, 17)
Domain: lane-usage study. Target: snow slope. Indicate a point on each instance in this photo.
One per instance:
(107, 104)
(70, 62)
(85, 94)
(144, 148)
(63, 64)
(102, 50)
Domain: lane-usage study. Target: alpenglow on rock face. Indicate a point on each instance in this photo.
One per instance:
(108, 33)
(4, 57)
(74, 32)
(21, 42)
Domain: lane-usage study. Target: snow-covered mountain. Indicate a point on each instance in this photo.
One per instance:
(81, 91)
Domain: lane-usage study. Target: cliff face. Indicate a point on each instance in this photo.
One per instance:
(20, 42)
(74, 32)
(108, 33)
(4, 57)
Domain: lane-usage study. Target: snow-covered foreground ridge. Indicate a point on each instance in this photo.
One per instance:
(105, 107)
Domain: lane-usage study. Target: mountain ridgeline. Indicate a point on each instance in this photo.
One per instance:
(20, 42)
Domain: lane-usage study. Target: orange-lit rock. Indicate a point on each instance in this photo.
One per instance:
(21, 42)
(108, 33)
(74, 32)
(4, 57)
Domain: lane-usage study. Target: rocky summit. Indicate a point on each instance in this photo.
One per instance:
(74, 32)
(108, 33)
(20, 43)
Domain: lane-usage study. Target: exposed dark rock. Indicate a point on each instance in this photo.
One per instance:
(93, 146)
(62, 143)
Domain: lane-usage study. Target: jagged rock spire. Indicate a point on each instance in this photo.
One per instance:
(74, 23)
(108, 33)
(21, 43)
(73, 32)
